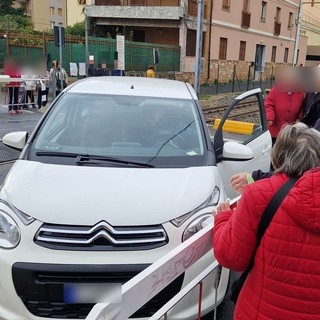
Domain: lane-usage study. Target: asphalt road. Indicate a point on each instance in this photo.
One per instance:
(26, 122)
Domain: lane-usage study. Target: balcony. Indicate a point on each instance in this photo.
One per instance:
(245, 20)
(147, 3)
(136, 9)
(277, 28)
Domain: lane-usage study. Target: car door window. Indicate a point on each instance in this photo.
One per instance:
(243, 122)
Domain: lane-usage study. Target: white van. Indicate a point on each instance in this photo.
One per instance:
(118, 172)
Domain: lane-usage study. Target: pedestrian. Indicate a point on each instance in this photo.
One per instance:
(283, 282)
(283, 104)
(42, 84)
(57, 74)
(29, 85)
(11, 69)
(150, 72)
(311, 102)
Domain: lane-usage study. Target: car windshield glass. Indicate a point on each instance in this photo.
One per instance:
(148, 129)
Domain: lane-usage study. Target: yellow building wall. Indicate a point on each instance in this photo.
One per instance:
(74, 12)
(40, 14)
(311, 23)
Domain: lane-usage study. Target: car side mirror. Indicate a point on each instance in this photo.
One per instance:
(16, 139)
(236, 152)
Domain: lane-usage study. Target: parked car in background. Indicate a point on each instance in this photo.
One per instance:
(117, 173)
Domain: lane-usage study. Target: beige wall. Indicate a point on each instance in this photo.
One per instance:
(40, 13)
(235, 36)
(311, 23)
(227, 24)
(74, 12)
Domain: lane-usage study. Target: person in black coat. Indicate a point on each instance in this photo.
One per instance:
(311, 108)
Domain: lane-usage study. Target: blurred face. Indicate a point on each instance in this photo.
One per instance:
(288, 79)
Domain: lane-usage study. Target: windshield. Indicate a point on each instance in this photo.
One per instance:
(158, 131)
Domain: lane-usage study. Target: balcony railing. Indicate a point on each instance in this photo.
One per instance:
(277, 28)
(146, 3)
(246, 18)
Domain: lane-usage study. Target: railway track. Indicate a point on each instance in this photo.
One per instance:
(241, 112)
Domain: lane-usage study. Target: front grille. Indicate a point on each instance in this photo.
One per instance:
(101, 236)
(41, 287)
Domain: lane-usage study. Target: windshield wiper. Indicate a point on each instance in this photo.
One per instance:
(56, 154)
(83, 159)
(91, 159)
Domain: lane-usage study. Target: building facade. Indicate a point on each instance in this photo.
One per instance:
(311, 28)
(257, 33)
(246, 32)
(74, 11)
(171, 22)
(44, 14)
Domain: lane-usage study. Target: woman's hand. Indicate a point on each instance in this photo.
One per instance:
(239, 181)
(223, 206)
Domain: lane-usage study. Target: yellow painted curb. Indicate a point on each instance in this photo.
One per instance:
(235, 126)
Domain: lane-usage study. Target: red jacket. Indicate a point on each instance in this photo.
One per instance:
(282, 108)
(284, 282)
(13, 71)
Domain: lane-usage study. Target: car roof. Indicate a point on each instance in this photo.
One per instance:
(134, 86)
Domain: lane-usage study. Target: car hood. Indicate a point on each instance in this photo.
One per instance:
(121, 196)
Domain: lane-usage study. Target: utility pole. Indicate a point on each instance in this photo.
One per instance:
(197, 75)
(297, 38)
(87, 42)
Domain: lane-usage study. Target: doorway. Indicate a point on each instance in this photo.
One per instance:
(259, 61)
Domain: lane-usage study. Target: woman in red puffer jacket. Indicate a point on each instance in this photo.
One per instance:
(284, 282)
(284, 103)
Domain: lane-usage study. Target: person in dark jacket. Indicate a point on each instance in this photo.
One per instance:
(311, 108)
(284, 280)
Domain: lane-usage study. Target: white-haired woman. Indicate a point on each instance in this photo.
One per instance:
(284, 282)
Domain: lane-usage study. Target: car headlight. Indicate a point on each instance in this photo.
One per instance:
(9, 231)
(24, 218)
(212, 200)
(196, 225)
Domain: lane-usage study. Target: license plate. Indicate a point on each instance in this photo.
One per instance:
(92, 292)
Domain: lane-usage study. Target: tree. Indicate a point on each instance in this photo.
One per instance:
(78, 29)
(6, 7)
(11, 22)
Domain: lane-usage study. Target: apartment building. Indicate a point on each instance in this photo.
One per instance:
(245, 32)
(262, 33)
(171, 22)
(74, 11)
(311, 28)
(44, 14)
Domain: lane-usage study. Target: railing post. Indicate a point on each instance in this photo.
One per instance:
(200, 300)
(218, 75)
(233, 77)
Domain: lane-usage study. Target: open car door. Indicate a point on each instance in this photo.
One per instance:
(243, 122)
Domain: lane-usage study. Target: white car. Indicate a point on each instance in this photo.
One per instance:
(118, 172)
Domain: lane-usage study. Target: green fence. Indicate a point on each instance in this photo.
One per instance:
(138, 55)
